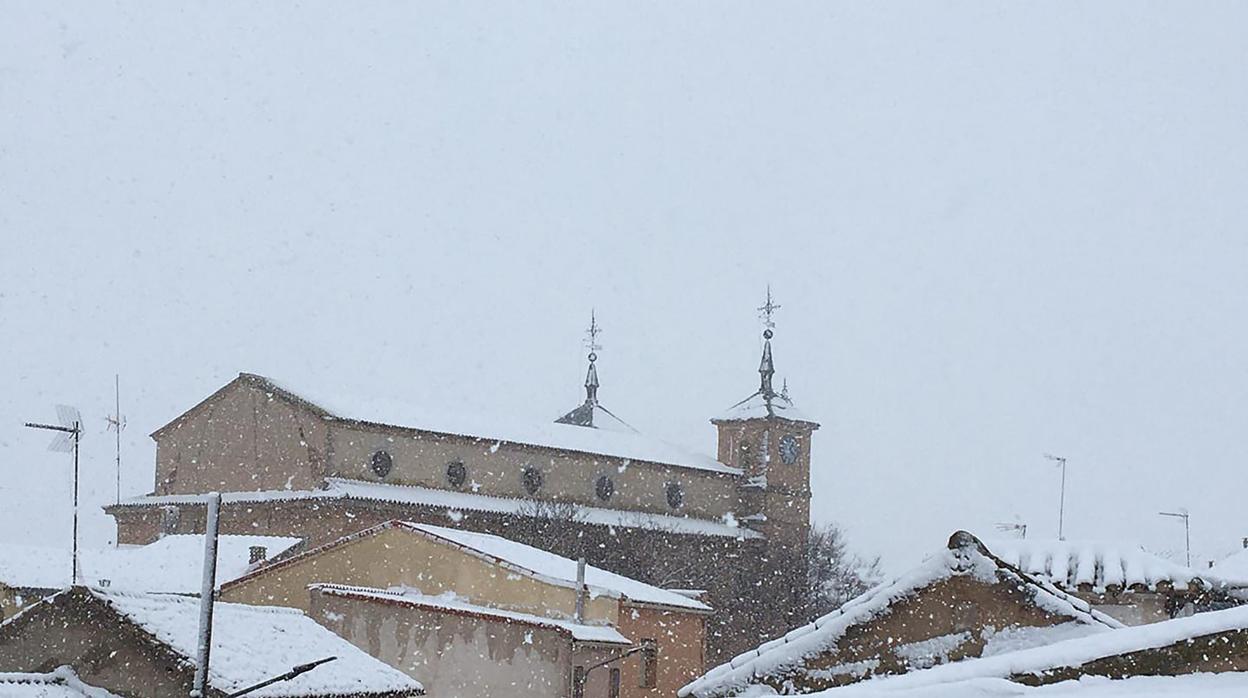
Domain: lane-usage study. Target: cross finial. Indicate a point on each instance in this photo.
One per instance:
(765, 312)
(591, 336)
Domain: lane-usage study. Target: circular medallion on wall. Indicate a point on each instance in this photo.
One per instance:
(675, 495)
(382, 463)
(604, 488)
(456, 473)
(531, 478)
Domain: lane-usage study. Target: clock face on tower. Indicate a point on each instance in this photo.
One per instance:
(788, 449)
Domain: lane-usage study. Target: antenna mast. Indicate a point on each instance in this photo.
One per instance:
(1061, 512)
(70, 429)
(117, 422)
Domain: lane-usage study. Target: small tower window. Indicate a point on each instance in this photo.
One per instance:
(382, 463)
(789, 449)
(604, 488)
(531, 478)
(456, 473)
(675, 495)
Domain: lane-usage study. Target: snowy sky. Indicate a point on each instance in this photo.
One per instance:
(996, 230)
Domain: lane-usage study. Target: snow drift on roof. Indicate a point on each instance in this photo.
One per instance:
(580, 632)
(171, 564)
(1068, 564)
(1226, 685)
(341, 488)
(791, 650)
(559, 569)
(758, 407)
(1072, 653)
(254, 643)
(625, 443)
(60, 683)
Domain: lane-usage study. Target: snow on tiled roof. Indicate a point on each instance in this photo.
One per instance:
(1233, 568)
(1229, 684)
(171, 564)
(254, 643)
(342, 488)
(559, 569)
(618, 443)
(792, 649)
(580, 632)
(60, 683)
(1070, 653)
(1068, 564)
(756, 407)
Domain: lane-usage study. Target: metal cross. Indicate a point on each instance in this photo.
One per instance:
(767, 309)
(591, 342)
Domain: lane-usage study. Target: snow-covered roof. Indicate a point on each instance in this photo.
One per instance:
(1224, 685)
(1068, 653)
(759, 407)
(1069, 564)
(171, 564)
(1233, 568)
(59, 683)
(559, 570)
(342, 488)
(254, 643)
(791, 650)
(617, 443)
(581, 632)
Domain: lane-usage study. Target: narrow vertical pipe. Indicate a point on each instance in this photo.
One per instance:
(206, 590)
(77, 433)
(1061, 511)
(580, 590)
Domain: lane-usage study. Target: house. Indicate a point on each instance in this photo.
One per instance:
(434, 601)
(1119, 579)
(140, 645)
(171, 564)
(962, 602)
(62, 682)
(314, 464)
(1207, 643)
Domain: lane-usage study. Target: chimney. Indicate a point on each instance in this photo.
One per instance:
(256, 553)
(580, 590)
(1246, 542)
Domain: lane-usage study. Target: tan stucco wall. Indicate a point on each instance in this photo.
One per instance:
(104, 653)
(397, 557)
(493, 468)
(681, 642)
(241, 439)
(455, 655)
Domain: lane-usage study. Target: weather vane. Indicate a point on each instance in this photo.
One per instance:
(767, 309)
(591, 336)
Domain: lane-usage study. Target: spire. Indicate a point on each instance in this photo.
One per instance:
(591, 413)
(765, 402)
(767, 367)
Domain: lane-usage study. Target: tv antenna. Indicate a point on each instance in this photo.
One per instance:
(1187, 528)
(1061, 511)
(69, 434)
(1017, 527)
(117, 422)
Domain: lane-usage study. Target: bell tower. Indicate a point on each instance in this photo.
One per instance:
(770, 441)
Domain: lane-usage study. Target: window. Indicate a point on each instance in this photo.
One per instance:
(604, 488)
(578, 682)
(614, 687)
(531, 478)
(456, 473)
(675, 495)
(382, 463)
(649, 664)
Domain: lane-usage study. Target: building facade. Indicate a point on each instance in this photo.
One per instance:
(734, 525)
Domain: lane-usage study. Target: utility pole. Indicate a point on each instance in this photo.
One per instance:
(207, 589)
(70, 433)
(1061, 511)
(1187, 529)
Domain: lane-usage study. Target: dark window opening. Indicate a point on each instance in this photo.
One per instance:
(604, 488)
(532, 479)
(456, 473)
(675, 495)
(382, 463)
(578, 682)
(614, 687)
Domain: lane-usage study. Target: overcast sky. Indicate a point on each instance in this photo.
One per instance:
(996, 230)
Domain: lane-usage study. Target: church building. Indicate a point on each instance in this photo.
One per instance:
(291, 463)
